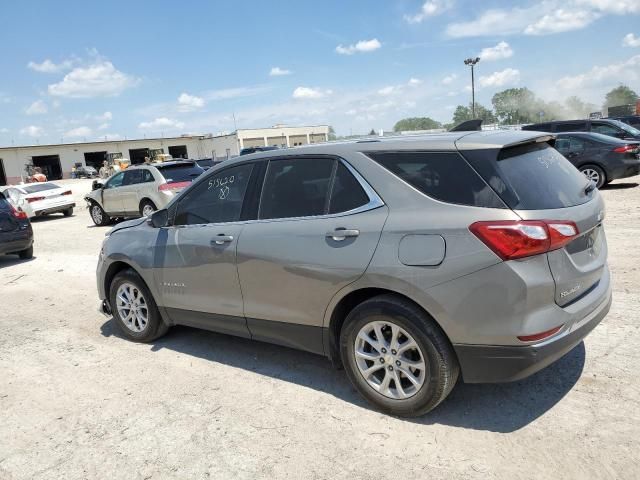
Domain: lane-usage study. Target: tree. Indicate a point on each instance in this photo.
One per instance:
(332, 133)
(516, 105)
(576, 108)
(621, 95)
(416, 123)
(462, 114)
(372, 132)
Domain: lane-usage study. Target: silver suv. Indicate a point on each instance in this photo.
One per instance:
(408, 261)
(139, 190)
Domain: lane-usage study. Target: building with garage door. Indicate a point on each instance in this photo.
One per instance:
(56, 161)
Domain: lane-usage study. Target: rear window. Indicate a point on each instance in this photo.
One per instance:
(39, 187)
(180, 173)
(445, 176)
(532, 177)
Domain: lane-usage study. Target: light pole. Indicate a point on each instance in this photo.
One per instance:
(472, 62)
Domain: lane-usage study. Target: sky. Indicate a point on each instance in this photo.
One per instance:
(82, 71)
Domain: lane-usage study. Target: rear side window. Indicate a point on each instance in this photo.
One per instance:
(132, 177)
(445, 176)
(347, 193)
(571, 127)
(180, 173)
(532, 177)
(296, 188)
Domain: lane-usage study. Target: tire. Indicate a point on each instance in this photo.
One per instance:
(68, 212)
(595, 174)
(98, 215)
(133, 327)
(145, 205)
(26, 254)
(440, 366)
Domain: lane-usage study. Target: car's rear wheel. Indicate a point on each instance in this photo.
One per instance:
(27, 253)
(98, 215)
(397, 357)
(134, 309)
(147, 207)
(68, 212)
(595, 174)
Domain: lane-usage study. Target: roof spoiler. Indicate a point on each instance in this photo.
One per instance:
(474, 125)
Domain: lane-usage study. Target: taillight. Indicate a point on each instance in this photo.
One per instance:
(19, 213)
(34, 199)
(68, 192)
(511, 239)
(173, 186)
(627, 148)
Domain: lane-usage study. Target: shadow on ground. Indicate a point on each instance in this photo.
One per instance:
(10, 260)
(619, 186)
(497, 407)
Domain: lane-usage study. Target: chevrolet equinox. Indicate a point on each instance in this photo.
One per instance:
(409, 261)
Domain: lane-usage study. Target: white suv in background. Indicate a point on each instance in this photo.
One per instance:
(139, 190)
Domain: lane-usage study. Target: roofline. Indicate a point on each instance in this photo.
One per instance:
(204, 136)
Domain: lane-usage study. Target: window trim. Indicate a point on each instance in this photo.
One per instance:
(374, 199)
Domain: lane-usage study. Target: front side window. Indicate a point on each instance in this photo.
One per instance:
(605, 129)
(296, 188)
(216, 199)
(115, 181)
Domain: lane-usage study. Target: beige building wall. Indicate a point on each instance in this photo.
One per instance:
(251, 137)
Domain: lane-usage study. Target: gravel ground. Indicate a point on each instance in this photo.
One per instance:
(77, 401)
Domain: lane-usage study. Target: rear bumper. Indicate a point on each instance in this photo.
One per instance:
(56, 209)
(494, 364)
(15, 246)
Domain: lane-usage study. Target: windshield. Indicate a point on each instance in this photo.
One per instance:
(40, 187)
(627, 128)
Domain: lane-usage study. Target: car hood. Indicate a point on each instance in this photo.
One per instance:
(127, 224)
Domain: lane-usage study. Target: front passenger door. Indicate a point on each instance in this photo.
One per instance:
(111, 199)
(198, 275)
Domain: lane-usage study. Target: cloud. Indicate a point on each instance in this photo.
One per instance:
(310, 93)
(236, 92)
(279, 72)
(616, 7)
(430, 8)
(104, 117)
(32, 131)
(360, 47)
(109, 136)
(162, 122)
(449, 79)
(100, 79)
(414, 82)
(630, 40)
(37, 108)
(607, 74)
(4, 130)
(498, 79)
(189, 103)
(500, 51)
(79, 132)
(104, 126)
(388, 90)
(561, 21)
(47, 66)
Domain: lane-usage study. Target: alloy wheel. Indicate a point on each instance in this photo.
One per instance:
(132, 307)
(96, 214)
(147, 210)
(592, 175)
(390, 360)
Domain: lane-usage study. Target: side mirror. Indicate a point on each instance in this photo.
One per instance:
(159, 218)
(96, 185)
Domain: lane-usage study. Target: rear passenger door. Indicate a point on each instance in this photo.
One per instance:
(317, 229)
(573, 149)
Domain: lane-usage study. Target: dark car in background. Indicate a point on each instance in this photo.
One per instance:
(206, 163)
(599, 157)
(612, 128)
(86, 172)
(248, 150)
(16, 234)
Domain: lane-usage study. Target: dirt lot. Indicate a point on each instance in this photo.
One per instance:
(77, 401)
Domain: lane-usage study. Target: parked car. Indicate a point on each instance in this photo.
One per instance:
(86, 172)
(16, 234)
(38, 199)
(600, 158)
(205, 163)
(248, 150)
(393, 257)
(139, 190)
(633, 120)
(612, 128)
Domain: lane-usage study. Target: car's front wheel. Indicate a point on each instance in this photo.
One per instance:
(147, 207)
(98, 215)
(134, 309)
(595, 174)
(397, 357)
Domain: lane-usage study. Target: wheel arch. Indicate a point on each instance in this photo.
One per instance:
(348, 303)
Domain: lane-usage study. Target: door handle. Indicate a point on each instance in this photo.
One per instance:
(339, 234)
(222, 239)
